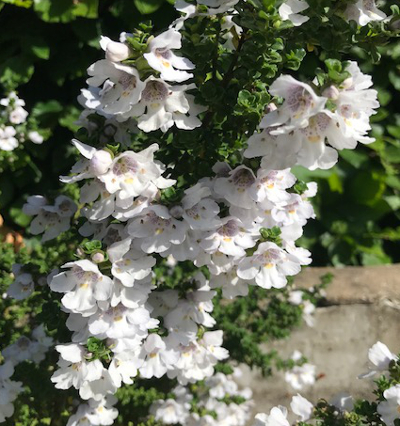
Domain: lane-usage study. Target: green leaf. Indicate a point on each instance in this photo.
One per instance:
(19, 217)
(393, 182)
(374, 256)
(41, 52)
(69, 118)
(91, 246)
(294, 58)
(86, 8)
(49, 107)
(16, 71)
(6, 191)
(393, 201)
(146, 7)
(367, 187)
(335, 184)
(392, 154)
(355, 158)
(19, 3)
(66, 10)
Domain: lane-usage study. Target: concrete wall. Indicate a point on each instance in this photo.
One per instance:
(363, 309)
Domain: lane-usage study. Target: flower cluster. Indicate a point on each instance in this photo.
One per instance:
(237, 227)
(300, 406)
(14, 128)
(23, 284)
(386, 409)
(298, 131)
(25, 349)
(380, 359)
(8, 390)
(361, 11)
(302, 374)
(222, 222)
(219, 400)
(120, 93)
(50, 220)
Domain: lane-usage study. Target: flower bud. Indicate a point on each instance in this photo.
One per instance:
(35, 137)
(270, 107)
(98, 257)
(100, 162)
(347, 83)
(117, 52)
(331, 92)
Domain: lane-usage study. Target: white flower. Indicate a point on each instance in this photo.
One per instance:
(170, 411)
(18, 115)
(277, 417)
(161, 106)
(197, 360)
(115, 51)
(35, 137)
(296, 298)
(235, 188)
(85, 287)
(190, 312)
(363, 12)
(99, 388)
(162, 59)
(101, 412)
(7, 140)
(231, 238)
(50, 220)
(131, 297)
(157, 230)
(101, 203)
(199, 211)
(122, 87)
(120, 322)
(269, 265)
(8, 390)
(131, 174)
(22, 350)
(290, 9)
(44, 343)
(12, 99)
(389, 409)
(278, 151)
(74, 370)
(129, 265)
(300, 375)
(158, 359)
(232, 286)
(23, 285)
(188, 10)
(34, 205)
(380, 357)
(300, 104)
(343, 401)
(301, 407)
(218, 6)
(295, 210)
(313, 153)
(96, 163)
(124, 366)
(272, 185)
